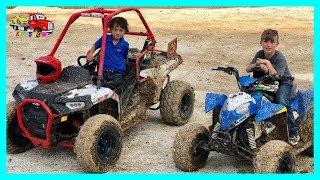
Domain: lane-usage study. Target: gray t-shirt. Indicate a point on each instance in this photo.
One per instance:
(278, 62)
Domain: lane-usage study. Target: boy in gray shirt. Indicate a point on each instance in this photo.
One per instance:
(273, 62)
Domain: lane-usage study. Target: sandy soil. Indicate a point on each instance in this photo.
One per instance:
(207, 38)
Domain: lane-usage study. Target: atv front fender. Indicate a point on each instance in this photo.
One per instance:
(303, 102)
(214, 100)
(268, 110)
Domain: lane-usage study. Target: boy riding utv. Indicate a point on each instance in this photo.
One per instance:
(67, 107)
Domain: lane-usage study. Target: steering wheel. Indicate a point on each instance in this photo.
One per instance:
(91, 66)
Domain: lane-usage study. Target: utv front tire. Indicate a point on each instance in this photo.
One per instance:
(176, 103)
(187, 155)
(99, 142)
(275, 156)
(16, 142)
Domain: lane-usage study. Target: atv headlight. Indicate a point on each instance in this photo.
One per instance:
(75, 105)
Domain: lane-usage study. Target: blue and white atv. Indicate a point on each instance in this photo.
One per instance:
(250, 125)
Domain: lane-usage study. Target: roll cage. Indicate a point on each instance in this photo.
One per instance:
(106, 15)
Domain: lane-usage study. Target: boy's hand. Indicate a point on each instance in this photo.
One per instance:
(89, 56)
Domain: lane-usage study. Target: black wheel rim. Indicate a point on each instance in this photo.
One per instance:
(286, 163)
(186, 105)
(108, 145)
(198, 153)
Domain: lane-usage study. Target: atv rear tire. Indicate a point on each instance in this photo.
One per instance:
(309, 151)
(306, 132)
(16, 142)
(99, 142)
(187, 155)
(275, 156)
(176, 103)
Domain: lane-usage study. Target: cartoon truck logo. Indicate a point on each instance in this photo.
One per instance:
(35, 21)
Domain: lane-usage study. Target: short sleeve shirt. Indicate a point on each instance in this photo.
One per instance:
(115, 55)
(278, 62)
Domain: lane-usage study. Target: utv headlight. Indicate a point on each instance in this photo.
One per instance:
(75, 105)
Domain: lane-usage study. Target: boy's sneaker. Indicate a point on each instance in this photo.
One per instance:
(294, 140)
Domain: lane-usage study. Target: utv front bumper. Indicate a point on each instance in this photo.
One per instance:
(35, 119)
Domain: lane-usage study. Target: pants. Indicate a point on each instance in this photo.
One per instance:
(283, 96)
(112, 80)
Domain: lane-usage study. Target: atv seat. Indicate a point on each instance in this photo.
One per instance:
(271, 96)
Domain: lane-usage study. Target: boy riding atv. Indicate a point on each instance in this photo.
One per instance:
(256, 123)
(273, 62)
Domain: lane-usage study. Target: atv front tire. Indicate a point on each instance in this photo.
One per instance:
(275, 156)
(99, 142)
(16, 142)
(176, 103)
(187, 153)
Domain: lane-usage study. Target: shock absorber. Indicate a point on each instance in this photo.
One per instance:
(215, 129)
(252, 141)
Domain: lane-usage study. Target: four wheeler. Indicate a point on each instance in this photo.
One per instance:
(67, 107)
(250, 125)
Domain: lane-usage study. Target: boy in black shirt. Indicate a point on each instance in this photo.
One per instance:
(273, 62)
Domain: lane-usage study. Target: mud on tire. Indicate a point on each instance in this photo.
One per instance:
(275, 156)
(176, 103)
(187, 155)
(16, 142)
(306, 132)
(99, 142)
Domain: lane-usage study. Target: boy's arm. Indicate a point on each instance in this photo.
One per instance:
(90, 54)
(95, 46)
(250, 66)
(268, 65)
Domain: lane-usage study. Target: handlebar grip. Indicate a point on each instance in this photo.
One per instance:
(284, 77)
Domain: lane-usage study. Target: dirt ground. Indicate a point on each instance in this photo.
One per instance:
(207, 38)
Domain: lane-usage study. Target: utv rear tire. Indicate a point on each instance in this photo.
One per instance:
(187, 155)
(176, 103)
(16, 142)
(275, 156)
(99, 142)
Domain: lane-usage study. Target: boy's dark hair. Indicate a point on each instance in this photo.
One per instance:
(270, 34)
(119, 21)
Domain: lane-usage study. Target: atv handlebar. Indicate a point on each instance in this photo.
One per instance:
(231, 71)
(274, 78)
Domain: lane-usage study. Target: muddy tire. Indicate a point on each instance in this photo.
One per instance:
(187, 155)
(306, 132)
(275, 156)
(98, 144)
(176, 103)
(309, 151)
(16, 142)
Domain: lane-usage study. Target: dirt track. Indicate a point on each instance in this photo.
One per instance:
(206, 38)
